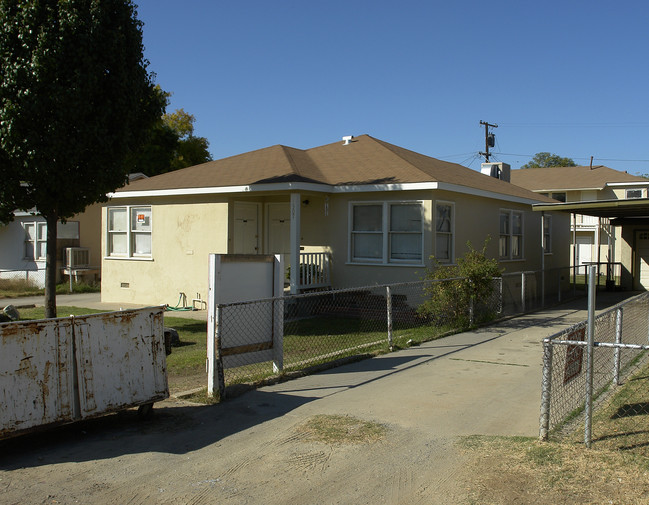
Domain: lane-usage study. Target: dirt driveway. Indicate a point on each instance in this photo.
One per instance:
(259, 448)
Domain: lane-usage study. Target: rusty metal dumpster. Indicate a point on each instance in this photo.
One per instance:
(66, 369)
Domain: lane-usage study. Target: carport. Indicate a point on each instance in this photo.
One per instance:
(629, 246)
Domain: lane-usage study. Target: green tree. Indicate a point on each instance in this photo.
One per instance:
(456, 289)
(544, 160)
(191, 150)
(172, 145)
(76, 100)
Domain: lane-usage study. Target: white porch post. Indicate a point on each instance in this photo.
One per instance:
(295, 242)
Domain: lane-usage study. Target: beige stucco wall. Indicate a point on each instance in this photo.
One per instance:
(184, 234)
(186, 231)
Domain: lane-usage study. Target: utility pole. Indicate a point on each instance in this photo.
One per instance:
(489, 139)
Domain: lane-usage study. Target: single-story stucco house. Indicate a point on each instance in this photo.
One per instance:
(352, 213)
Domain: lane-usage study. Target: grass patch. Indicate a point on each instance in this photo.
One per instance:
(335, 429)
(188, 358)
(15, 288)
(504, 470)
(19, 288)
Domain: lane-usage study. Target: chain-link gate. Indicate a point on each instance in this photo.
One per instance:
(620, 377)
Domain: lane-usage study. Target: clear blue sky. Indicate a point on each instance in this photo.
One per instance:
(568, 77)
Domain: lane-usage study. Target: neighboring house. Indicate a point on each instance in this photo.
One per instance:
(352, 213)
(593, 239)
(23, 244)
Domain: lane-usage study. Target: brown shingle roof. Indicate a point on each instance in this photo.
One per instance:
(570, 178)
(365, 160)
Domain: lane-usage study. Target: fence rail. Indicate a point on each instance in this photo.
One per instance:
(260, 338)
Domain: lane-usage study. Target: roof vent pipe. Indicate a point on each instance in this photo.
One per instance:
(347, 139)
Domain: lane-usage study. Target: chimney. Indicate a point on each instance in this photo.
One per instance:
(591, 163)
(347, 139)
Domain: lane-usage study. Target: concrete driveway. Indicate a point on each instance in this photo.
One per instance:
(251, 450)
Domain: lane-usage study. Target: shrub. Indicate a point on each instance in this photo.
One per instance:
(456, 288)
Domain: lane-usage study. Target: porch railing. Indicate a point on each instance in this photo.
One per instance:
(315, 268)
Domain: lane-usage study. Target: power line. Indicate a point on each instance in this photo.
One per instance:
(576, 157)
(589, 125)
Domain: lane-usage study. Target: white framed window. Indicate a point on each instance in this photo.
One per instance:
(386, 232)
(511, 235)
(547, 234)
(129, 232)
(633, 193)
(35, 240)
(444, 232)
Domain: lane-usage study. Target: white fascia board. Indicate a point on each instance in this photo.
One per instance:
(485, 194)
(627, 184)
(323, 188)
(287, 186)
(372, 188)
(560, 190)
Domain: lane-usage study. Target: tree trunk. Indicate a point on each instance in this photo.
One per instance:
(50, 266)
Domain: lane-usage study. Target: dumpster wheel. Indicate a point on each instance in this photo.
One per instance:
(145, 411)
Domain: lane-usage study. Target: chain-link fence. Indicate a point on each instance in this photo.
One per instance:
(34, 278)
(257, 339)
(620, 378)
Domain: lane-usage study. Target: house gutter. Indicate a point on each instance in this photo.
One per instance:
(583, 207)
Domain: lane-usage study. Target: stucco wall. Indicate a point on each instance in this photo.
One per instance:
(183, 236)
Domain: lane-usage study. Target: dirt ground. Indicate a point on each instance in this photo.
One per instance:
(188, 454)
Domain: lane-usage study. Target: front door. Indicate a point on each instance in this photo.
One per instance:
(246, 228)
(279, 228)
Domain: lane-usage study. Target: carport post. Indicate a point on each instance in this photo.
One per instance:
(523, 291)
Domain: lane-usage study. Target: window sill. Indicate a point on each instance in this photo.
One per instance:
(510, 260)
(369, 264)
(128, 258)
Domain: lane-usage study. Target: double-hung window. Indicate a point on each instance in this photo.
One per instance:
(444, 232)
(511, 235)
(35, 240)
(386, 232)
(129, 232)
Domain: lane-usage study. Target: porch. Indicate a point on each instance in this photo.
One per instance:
(272, 225)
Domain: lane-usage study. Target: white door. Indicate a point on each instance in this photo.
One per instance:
(279, 228)
(584, 250)
(246, 228)
(642, 254)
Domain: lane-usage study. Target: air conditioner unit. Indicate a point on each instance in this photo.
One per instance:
(77, 257)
